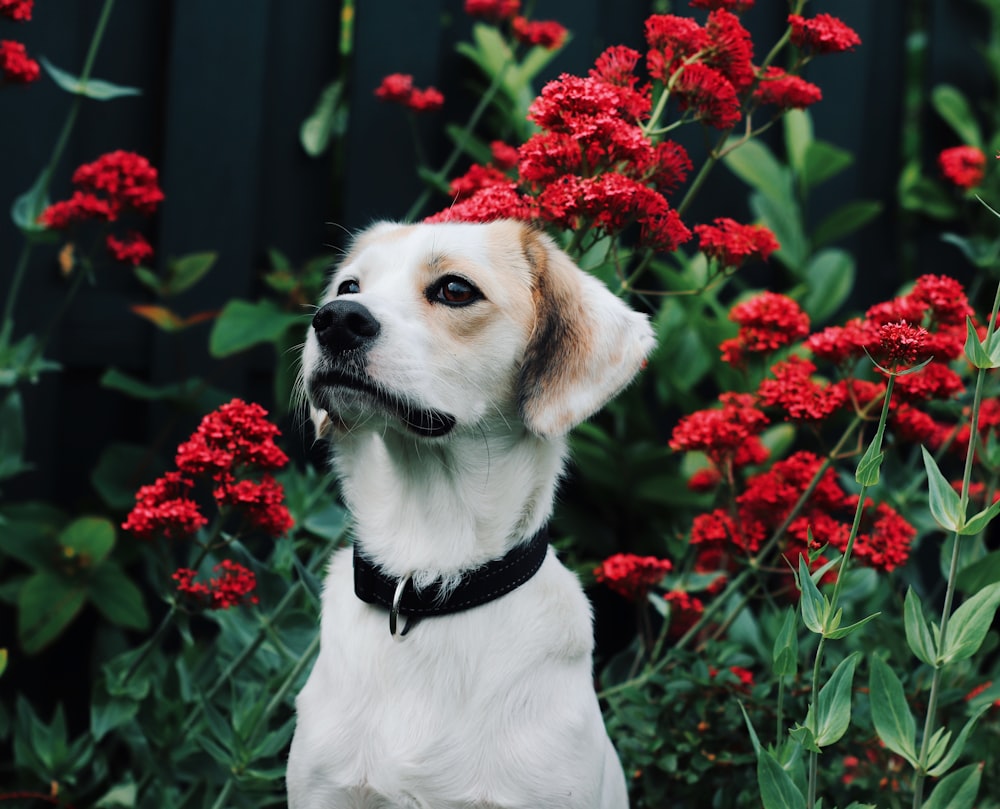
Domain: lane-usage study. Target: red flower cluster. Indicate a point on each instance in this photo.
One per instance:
(16, 66)
(767, 322)
(685, 611)
(599, 163)
(233, 587)
(632, 576)
(115, 184)
(547, 34)
(229, 445)
(822, 34)
(963, 165)
(727, 435)
(398, 88)
(17, 10)
(731, 243)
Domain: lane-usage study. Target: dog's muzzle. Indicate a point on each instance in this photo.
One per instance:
(345, 329)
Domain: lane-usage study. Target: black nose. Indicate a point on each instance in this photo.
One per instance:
(342, 325)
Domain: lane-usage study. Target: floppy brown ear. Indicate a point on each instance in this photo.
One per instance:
(586, 344)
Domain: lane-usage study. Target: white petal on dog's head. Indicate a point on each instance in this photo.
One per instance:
(586, 344)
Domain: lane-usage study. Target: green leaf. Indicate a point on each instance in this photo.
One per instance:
(798, 138)
(918, 193)
(939, 768)
(833, 703)
(91, 88)
(829, 279)
(845, 220)
(953, 107)
(814, 605)
(117, 598)
(184, 272)
(823, 161)
(29, 206)
(137, 389)
(784, 218)
(867, 473)
(978, 522)
(328, 120)
(12, 436)
(757, 166)
(242, 324)
(918, 636)
(786, 646)
(974, 349)
(844, 631)
(970, 623)
(890, 713)
(777, 789)
(108, 713)
(47, 604)
(945, 502)
(3, 661)
(974, 577)
(88, 540)
(958, 790)
(475, 148)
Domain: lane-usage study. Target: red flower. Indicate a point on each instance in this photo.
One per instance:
(235, 436)
(19, 10)
(933, 381)
(672, 40)
(785, 90)
(504, 156)
(731, 243)
(616, 65)
(114, 183)
(720, 432)
(234, 587)
(262, 503)
(729, 5)
(475, 179)
(398, 88)
(630, 575)
(709, 94)
(704, 480)
(794, 390)
(547, 34)
(840, 344)
(133, 249)
(164, 509)
(767, 322)
(901, 345)
(685, 610)
(822, 34)
(963, 165)
(15, 64)
(946, 299)
(493, 9)
(884, 541)
(731, 49)
(487, 205)
(916, 426)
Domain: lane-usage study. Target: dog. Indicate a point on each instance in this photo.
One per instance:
(446, 364)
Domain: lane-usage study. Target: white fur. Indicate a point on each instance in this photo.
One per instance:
(492, 707)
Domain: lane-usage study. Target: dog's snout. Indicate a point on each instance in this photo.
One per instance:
(343, 325)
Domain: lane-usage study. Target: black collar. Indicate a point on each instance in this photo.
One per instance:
(478, 586)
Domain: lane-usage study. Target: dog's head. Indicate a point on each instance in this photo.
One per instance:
(432, 328)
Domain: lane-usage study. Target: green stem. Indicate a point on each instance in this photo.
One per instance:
(457, 151)
(949, 596)
(57, 152)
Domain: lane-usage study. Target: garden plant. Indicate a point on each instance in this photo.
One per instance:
(790, 512)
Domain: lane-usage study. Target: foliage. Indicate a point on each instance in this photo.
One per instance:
(794, 503)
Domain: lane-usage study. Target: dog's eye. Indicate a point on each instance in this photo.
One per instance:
(349, 287)
(453, 291)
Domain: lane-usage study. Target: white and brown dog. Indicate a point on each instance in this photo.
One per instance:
(447, 364)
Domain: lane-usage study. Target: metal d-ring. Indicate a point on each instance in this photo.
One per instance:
(396, 599)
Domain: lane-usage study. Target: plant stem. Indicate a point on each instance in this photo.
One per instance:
(949, 596)
(457, 151)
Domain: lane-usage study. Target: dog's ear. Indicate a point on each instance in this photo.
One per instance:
(585, 347)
